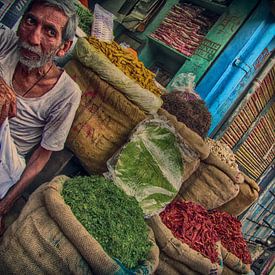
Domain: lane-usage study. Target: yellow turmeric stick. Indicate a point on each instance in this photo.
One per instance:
(128, 63)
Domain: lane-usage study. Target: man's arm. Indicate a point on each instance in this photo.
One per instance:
(36, 163)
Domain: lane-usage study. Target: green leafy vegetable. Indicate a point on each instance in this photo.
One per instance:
(150, 166)
(85, 17)
(110, 216)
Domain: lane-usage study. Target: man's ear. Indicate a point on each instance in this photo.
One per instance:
(64, 48)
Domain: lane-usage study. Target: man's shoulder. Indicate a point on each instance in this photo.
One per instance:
(70, 87)
(8, 38)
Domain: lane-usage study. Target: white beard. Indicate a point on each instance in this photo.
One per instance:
(36, 62)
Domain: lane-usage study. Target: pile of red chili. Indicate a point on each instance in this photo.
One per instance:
(189, 222)
(229, 231)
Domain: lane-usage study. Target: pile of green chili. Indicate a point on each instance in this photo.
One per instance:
(110, 216)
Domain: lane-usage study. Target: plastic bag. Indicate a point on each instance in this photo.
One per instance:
(151, 165)
(103, 24)
(11, 164)
(185, 83)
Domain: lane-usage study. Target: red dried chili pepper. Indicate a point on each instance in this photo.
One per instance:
(189, 223)
(229, 230)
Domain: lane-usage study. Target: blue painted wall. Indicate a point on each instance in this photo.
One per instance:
(225, 82)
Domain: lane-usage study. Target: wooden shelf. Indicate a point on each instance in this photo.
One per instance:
(168, 48)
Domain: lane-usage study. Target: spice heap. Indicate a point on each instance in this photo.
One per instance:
(110, 216)
(6, 94)
(229, 231)
(128, 63)
(185, 27)
(223, 152)
(193, 113)
(189, 223)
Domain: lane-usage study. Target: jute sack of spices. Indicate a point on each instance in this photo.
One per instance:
(48, 239)
(182, 252)
(179, 267)
(248, 194)
(190, 137)
(234, 263)
(228, 271)
(99, 63)
(212, 185)
(103, 120)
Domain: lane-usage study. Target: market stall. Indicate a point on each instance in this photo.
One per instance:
(159, 197)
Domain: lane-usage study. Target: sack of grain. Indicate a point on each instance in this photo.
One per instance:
(209, 187)
(212, 185)
(181, 252)
(248, 194)
(103, 120)
(47, 238)
(223, 152)
(151, 166)
(100, 64)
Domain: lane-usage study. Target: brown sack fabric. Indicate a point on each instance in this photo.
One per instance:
(48, 239)
(209, 187)
(178, 266)
(234, 174)
(34, 244)
(103, 120)
(188, 136)
(180, 251)
(233, 262)
(228, 271)
(249, 193)
(166, 269)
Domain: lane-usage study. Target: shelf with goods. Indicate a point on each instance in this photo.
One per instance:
(230, 17)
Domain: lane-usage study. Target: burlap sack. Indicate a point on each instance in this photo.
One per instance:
(99, 63)
(190, 137)
(48, 239)
(234, 174)
(181, 252)
(103, 120)
(233, 262)
(211, 185)
(228, 271)
(178, 266)
(165, 269)
(248, 194)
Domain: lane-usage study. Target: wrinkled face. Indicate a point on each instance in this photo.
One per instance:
(40, 36)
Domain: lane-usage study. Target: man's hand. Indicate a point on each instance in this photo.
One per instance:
(36, 163)
(8, 111)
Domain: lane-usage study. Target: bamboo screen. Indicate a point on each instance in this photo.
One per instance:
(256, 153)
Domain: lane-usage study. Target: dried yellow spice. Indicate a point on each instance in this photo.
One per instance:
(128, 63)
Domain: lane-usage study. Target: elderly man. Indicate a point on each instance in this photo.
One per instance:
(46, 97)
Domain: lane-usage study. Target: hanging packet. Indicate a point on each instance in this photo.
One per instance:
(103, 24)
